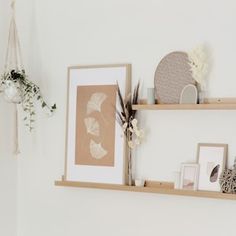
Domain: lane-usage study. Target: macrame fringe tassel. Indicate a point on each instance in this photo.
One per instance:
(17, 148)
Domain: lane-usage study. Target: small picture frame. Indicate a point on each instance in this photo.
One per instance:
(189, 176)
(212, 161)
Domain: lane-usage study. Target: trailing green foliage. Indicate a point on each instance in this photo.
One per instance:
(29, 93)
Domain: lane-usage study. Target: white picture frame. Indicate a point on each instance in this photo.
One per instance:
(189, 176)
(212, 161)
(92, 76)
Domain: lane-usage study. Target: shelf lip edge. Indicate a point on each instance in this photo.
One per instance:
(153, 190)
(212, 106)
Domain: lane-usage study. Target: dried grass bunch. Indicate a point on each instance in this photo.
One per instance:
(199, 65)
(126, 117)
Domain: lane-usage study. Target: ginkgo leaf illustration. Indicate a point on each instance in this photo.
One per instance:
(95, 102)
(96, 150)
(92, 126)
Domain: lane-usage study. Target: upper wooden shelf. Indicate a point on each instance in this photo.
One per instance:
(158, 190)
(217, 106)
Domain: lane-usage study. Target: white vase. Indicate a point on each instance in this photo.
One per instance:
(150, 96)
(130, 167)
(201, 97)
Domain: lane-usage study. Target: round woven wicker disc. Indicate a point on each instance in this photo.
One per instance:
(171, 76)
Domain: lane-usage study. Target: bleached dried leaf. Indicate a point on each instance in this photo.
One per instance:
(124, 126)
(199, 64)
(131, 144)
(134, 123)
(96, 150)
(92, 126)
(95, 102)
(137, 141)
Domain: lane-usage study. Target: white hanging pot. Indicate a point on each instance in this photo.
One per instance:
(12, 92)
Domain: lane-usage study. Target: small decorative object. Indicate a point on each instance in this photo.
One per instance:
(201, 96)
(228, 180)
(189, 95)
(212, 161)
(95, 144)
(176, 178)
(172, 74)
(150, 96)
(126, 118)
(139, 182)
(198, 62)
(189, 176)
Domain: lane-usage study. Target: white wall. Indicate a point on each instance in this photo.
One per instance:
(8, 162)
(56, 34)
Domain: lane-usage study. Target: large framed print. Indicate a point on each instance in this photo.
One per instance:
(95, 145)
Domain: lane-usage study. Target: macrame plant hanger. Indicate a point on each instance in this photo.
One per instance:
(13, 61)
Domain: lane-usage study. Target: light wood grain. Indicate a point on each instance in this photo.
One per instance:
(229, 100)
(168, 191)
(159, 184)
(219, 106)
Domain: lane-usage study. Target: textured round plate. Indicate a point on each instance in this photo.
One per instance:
(172, 75)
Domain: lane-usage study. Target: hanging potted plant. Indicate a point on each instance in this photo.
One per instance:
(14, 83)
(17, 88)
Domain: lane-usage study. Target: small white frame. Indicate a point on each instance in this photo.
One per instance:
(192, 170)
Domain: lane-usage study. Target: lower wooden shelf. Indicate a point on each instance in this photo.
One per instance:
(158, 190)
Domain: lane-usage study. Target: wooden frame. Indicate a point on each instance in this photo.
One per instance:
(210, 168)
(89, 72)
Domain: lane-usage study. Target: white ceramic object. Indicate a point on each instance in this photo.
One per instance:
(176, 179)
(139, 182)
(150, 96)
(201, 97)
(189, 95)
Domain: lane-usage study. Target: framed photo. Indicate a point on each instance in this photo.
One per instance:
(95, 145)
(189, 176)
(212, 161)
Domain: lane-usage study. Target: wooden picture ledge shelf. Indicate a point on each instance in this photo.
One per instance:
(159, 190)
(212, 106)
